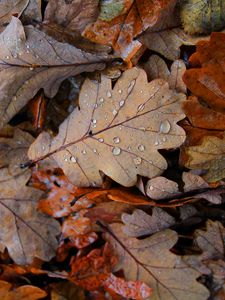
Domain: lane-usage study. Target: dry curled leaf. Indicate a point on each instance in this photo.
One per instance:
(150, 261)
(156, 67)
(72, 15)
(28, 292)
(140, 223)
(31, 60)
(208, 156)
(132, 17)
(25, 232)
(119, 131)
(10, 7)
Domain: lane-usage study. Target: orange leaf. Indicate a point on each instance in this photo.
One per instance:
(207, 81)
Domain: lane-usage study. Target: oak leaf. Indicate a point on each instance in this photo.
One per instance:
(72, 15)
(208, 156)
(25, 232)
(156, 67)
(206, 79)
(132, 17)
(140, 223)
(31, 60)
(10, 7)
(149, 260)
(28, 292)
(119, 131)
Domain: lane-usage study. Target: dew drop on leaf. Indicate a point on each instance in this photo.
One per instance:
(114, 112)
(116, 140)
(141, 148)
(116, 151)
(120, 91)
(165, 126)
(73, 159)
(137, 160)
(141, 107)
(130, 86)
(101, 100)
(101, 140)
(109, 94)
(122, 103)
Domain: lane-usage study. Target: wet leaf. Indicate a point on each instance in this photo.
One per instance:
(25, 232)
(32, 13)
(28, 292)
(134, 17)
(30, 60)
(120, 131)
(10, 7)
(200, 16)
(156, 68)
(150, 261)
(161, 188)
(72, 15)
(140, 223)
(208, 156)
(206, 79)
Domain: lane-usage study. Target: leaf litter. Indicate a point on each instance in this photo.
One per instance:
(111, 165)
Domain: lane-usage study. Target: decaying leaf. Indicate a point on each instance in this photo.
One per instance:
(150, 261)
(66, 290)
(119, 131)
(161, 188)
(200, 16)
(132, 17)
(140, 223)
(72, 15)
(10, 7)
(28, 292)
(206, 79)
(25, 232)
(156, 67)
(31, 60)
(209, 156)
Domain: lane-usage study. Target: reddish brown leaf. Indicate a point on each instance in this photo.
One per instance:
(207, 79)
(37, 107)
(135, 17)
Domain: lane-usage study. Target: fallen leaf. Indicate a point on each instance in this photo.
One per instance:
(161, 188)
(37, 108)
(32, 12)
(206, 79)
(149, 260)
(139, 223)
(208, 156)
(28, 292)
(200, 16)
(156, 68)
(130, 289)
(120, 131)
(166, 42)
(72, 15)
(130, 20)
(211, 240)
(25, 232)
(202, 116)
(10, 7)
(31, 60)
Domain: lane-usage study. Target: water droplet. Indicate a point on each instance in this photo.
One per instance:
(130, 86)
(31, 69)
(142, 128)
(164, 139)
(15, 55)
(141, 91)
(116, 151)
(94, 121)
(73, 159)
(84, 152)
(165, 126)
(141, 148)
(7, 57)
(27, 46)
(137, 160)
(101, 140)
(28, 51)
(101, 100)
(94, 150)
(120, 91)
(151, 188)
(43, 147)
(120, 127)
(122, 103)
(36, 56)
(156, 143)
(65, 159)
(141, 107)
(150, 162)
(19, 142)
(116, 140)
(109, 94)
(114, 112)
